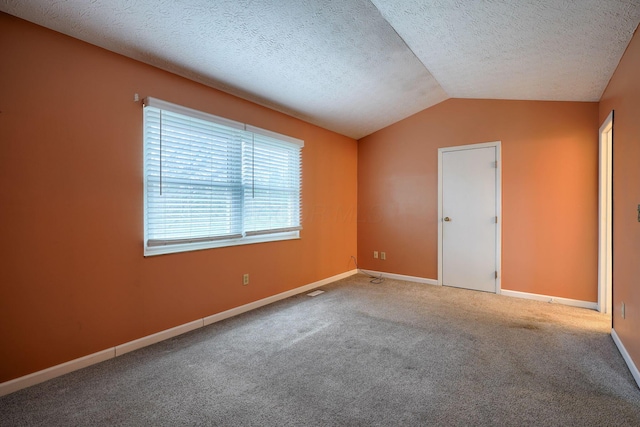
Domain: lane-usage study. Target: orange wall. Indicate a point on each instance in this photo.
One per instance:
(73, 277)
(549, 191)
(623, 96)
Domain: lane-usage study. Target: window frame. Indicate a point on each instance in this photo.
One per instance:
(193, 244)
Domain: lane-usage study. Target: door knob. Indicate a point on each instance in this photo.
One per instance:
(447, 219)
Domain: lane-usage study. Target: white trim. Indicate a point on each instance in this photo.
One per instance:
(401, 277)
(269, 300)
(505, 292)
(157, 337)
(498, 146)
(91, 359)
(625, 355)
(150, 251)
(55, 371)
(605, 216)
(552, 299)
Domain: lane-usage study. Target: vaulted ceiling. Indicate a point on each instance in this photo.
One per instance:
(356, 66)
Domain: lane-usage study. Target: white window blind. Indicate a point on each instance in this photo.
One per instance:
(271, 180)
(213, 182)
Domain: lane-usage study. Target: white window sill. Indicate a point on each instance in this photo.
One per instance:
(188, 247)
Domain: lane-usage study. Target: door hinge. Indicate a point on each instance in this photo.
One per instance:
(496, 220)
(495, 164)
(496, 274)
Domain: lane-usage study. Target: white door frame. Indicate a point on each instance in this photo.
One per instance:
(498, 146)
(605, 219)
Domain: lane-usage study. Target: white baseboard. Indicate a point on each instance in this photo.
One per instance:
(625, 355)
(400, 277)
(506, 292)
(269, 300)
(16, 384)
(548, 298)
(157, 337)
(55, 371)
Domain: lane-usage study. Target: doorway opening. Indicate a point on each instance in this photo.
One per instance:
(605, 219)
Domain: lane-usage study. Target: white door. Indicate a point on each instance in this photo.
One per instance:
(469, 217)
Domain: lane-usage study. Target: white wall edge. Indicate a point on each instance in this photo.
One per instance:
(551, 299)
(401, 277)
(34, 378)
(269, 300)
(626, 356)
(55, 371)
(157, 337)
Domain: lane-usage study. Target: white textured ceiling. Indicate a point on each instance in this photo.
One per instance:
(356, 66)
(560, 50)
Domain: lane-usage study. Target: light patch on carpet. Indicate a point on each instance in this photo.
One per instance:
(315, 293)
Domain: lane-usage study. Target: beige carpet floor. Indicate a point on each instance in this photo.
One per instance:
(360, 354)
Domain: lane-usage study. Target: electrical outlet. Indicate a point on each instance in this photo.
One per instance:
(245, 279)
(383, 255)
(623, 312)
(375, 254)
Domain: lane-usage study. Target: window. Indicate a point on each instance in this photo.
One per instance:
(212, 182)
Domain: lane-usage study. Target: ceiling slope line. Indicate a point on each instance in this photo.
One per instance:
(410, 49)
